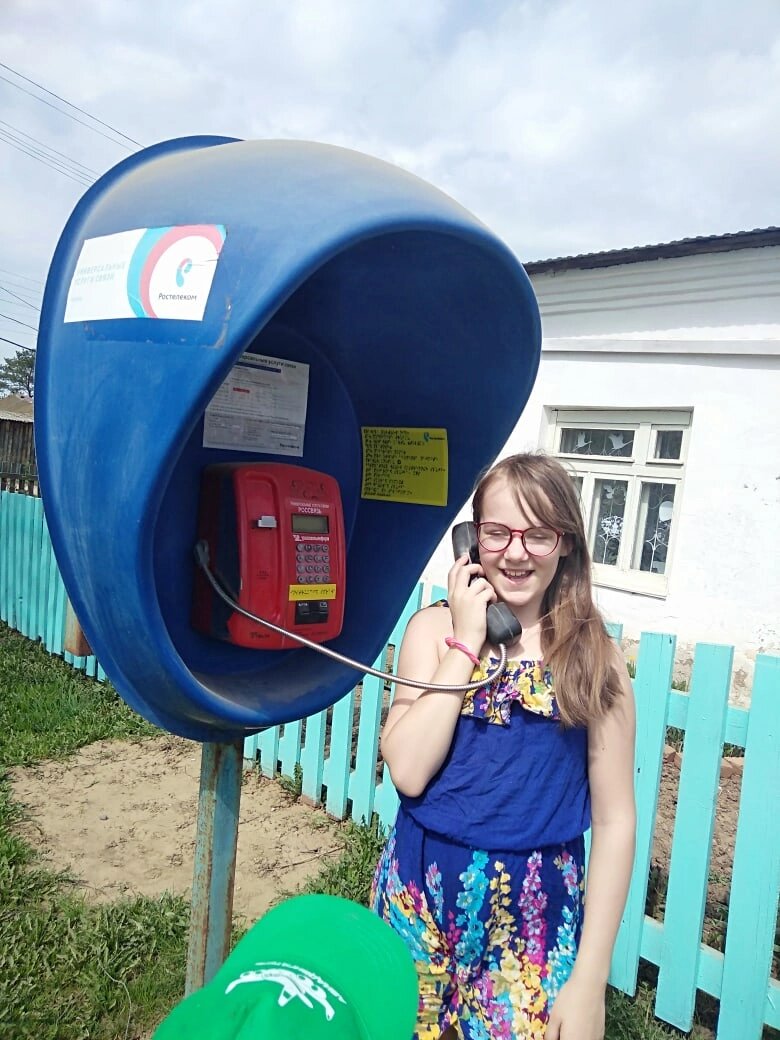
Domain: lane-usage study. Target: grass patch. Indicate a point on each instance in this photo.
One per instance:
(48, 710)
(350, 875)
(70, 970)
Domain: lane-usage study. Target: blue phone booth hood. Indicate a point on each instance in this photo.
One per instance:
(409, 313)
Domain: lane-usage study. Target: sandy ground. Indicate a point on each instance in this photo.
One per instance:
(121, 816)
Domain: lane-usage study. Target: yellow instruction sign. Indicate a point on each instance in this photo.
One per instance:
(307, 592)
(405, 464)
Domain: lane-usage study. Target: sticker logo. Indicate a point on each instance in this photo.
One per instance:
(163, 272)
(169, 259)
(185, 266)
(296, 984)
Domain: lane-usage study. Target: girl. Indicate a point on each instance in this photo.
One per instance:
(483, 872)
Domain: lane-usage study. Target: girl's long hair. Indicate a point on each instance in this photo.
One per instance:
(575, 644)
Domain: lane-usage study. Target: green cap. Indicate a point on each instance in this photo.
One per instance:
(315, 967)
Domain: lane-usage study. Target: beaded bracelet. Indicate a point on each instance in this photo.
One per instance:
(453, 644)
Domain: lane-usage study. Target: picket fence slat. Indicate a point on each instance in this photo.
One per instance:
(26, 565)
(692, 839)
(614, 630)
(10, 563)
(339, 761)
(268, 744)
(755, 882)
(362, 785)
(37, 578)
(654, 668)
(312, 758)
(22, 556)
(52, 593)
(251, 749)
(16, 562)
(386, 800)
(58, 606)
(290, 747)
(4, 554)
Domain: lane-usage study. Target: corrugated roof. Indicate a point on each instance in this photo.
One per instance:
(18, 409)
(682, 247)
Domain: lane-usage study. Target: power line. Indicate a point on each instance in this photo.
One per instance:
(15, 344)
(27, 303)
(70, 105)
(47, 160)
(8, 316)
(47, 148)
(21, 277)
(43, 101)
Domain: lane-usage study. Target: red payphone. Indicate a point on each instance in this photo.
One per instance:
(275, 539)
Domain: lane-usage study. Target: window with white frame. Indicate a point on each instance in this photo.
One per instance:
(628, 468)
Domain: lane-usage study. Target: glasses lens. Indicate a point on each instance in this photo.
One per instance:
(540, 541)
(494, 536)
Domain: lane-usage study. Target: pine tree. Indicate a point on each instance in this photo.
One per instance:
(17, 373)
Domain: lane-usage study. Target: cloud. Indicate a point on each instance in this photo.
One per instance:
(566, 126)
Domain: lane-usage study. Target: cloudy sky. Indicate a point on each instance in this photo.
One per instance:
(567, 126)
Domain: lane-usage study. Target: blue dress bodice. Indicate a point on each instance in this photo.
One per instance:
(514, 777)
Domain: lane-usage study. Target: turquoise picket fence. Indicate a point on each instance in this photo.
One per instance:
(335, 756)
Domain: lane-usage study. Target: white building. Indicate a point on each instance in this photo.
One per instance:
(660, 385)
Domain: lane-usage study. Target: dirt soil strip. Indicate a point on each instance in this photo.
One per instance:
(120, 817)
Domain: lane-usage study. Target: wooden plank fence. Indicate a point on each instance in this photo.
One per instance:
(335, 756)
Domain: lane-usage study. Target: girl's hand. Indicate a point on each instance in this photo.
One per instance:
(578, 1012)
(469, 602)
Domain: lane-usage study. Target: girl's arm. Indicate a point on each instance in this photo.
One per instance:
(580, 1004)
(421, 723)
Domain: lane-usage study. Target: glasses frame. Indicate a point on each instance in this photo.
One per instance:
(516, 530)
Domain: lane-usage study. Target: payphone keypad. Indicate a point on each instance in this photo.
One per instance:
(312, 563)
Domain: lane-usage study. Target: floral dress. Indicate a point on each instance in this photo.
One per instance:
(491, 917)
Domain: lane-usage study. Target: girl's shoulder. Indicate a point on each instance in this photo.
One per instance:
(433, 620)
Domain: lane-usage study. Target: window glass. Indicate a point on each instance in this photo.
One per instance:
(654, 529)
(668, 444)
(612, 443)
(628, 467)
(609, 507)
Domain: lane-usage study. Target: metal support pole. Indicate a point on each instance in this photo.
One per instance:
(215, 861)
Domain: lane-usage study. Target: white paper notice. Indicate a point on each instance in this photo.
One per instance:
(163, 272)
(260, 407)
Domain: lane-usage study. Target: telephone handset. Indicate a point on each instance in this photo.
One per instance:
(502, 625)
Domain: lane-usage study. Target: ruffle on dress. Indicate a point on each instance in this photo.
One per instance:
(527, 683)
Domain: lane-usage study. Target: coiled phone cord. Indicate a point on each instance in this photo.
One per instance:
(202, 559)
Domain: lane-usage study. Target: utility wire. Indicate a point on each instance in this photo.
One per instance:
(35, 143)
(21, 277)
(9, 318)
(70, 105)
(49, 161)
(20, 298)
(15, 344)
(43, 156)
